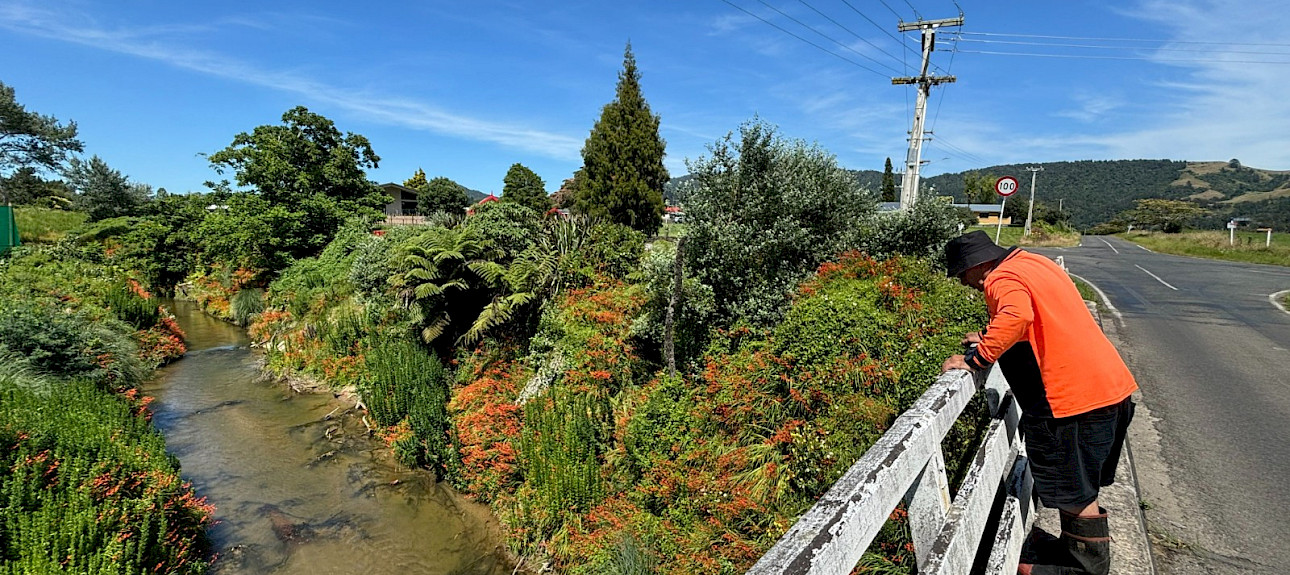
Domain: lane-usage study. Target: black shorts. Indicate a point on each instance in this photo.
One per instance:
(1072, 457)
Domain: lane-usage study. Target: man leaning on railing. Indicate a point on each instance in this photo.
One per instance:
(1071, 384)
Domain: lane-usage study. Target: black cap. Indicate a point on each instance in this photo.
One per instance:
(970, 250)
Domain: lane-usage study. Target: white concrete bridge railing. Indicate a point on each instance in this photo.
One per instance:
(907, 464)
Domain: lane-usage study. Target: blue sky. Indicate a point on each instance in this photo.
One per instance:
(465, 89)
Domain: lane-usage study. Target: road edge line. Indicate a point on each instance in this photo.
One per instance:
(1276, 300)
(1105, 300)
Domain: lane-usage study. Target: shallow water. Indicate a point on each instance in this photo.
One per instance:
(298, 485)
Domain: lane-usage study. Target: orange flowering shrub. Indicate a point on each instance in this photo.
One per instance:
(707, 470)
(162, 343)
(486, 422)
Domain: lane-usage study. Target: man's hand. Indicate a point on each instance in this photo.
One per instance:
(971, 338)
(954, 362)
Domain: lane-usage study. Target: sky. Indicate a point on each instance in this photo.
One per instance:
(466, 89)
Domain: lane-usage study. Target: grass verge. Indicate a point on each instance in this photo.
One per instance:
(45, 225)
(1248, 247)
(1040, 236)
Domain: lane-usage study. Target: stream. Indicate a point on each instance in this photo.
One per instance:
(298, 484)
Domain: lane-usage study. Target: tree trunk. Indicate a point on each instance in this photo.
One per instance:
(669, 333)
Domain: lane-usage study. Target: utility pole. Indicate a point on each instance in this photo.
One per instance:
(1030, 211)
(913, 159)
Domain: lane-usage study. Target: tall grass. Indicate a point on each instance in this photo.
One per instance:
(245, 304)
(559, 448)
(45, 225)
(1249, 247)
(132, 308)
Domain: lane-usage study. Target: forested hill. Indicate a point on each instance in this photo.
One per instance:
(1095, 191)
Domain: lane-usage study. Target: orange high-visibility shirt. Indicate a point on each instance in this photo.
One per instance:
(1030, 298)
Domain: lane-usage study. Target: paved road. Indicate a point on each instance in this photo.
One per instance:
(1212, 439)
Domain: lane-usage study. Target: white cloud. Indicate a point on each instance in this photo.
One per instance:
(151, 43)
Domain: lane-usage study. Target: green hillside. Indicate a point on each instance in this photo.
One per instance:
(1095, 191)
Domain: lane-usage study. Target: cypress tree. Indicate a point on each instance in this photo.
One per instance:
(888, 183)
(522, 186)
(623, 159)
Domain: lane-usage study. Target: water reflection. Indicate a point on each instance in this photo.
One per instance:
(298, 485)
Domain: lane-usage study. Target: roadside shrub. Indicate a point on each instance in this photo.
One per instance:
(735, 452)
(761, 213)
(1107, 229)
(921, 231)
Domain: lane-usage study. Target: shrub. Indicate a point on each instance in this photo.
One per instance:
(921, 231)
(132, 305)
(245, 304)
(71, 345)
(762, 212)
(509, 226)
(88, 484)
(692, 320)
(406, 383)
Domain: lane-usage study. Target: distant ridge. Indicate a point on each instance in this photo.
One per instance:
(1095, 191)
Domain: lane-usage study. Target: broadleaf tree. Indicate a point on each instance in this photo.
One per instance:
(310, 171)
(442, 195)
(1170, 216)
(622, 159)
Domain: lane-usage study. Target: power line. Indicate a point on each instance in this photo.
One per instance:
(1097, 47)
(1157, 40)
(911, 7)
(817, 46)
(826, 36)
(1092, 57)
(898, 39)
(862, 39)
(895, 13)
(941, 100)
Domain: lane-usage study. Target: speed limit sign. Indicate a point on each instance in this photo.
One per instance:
(1006, 186)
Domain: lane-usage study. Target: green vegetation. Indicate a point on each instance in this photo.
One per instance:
(307, 179)
(30, 140)
(103, 192)
(762, 212)
(525, 356)
(88, 486)
(1086, 291)
(622, 176)
(1250, 247)
(524, 187)
(1041, 235)
(46, 225)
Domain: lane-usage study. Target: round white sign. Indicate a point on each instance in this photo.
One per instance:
(1006, 186)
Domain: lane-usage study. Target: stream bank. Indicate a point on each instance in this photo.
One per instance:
(298, 483)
